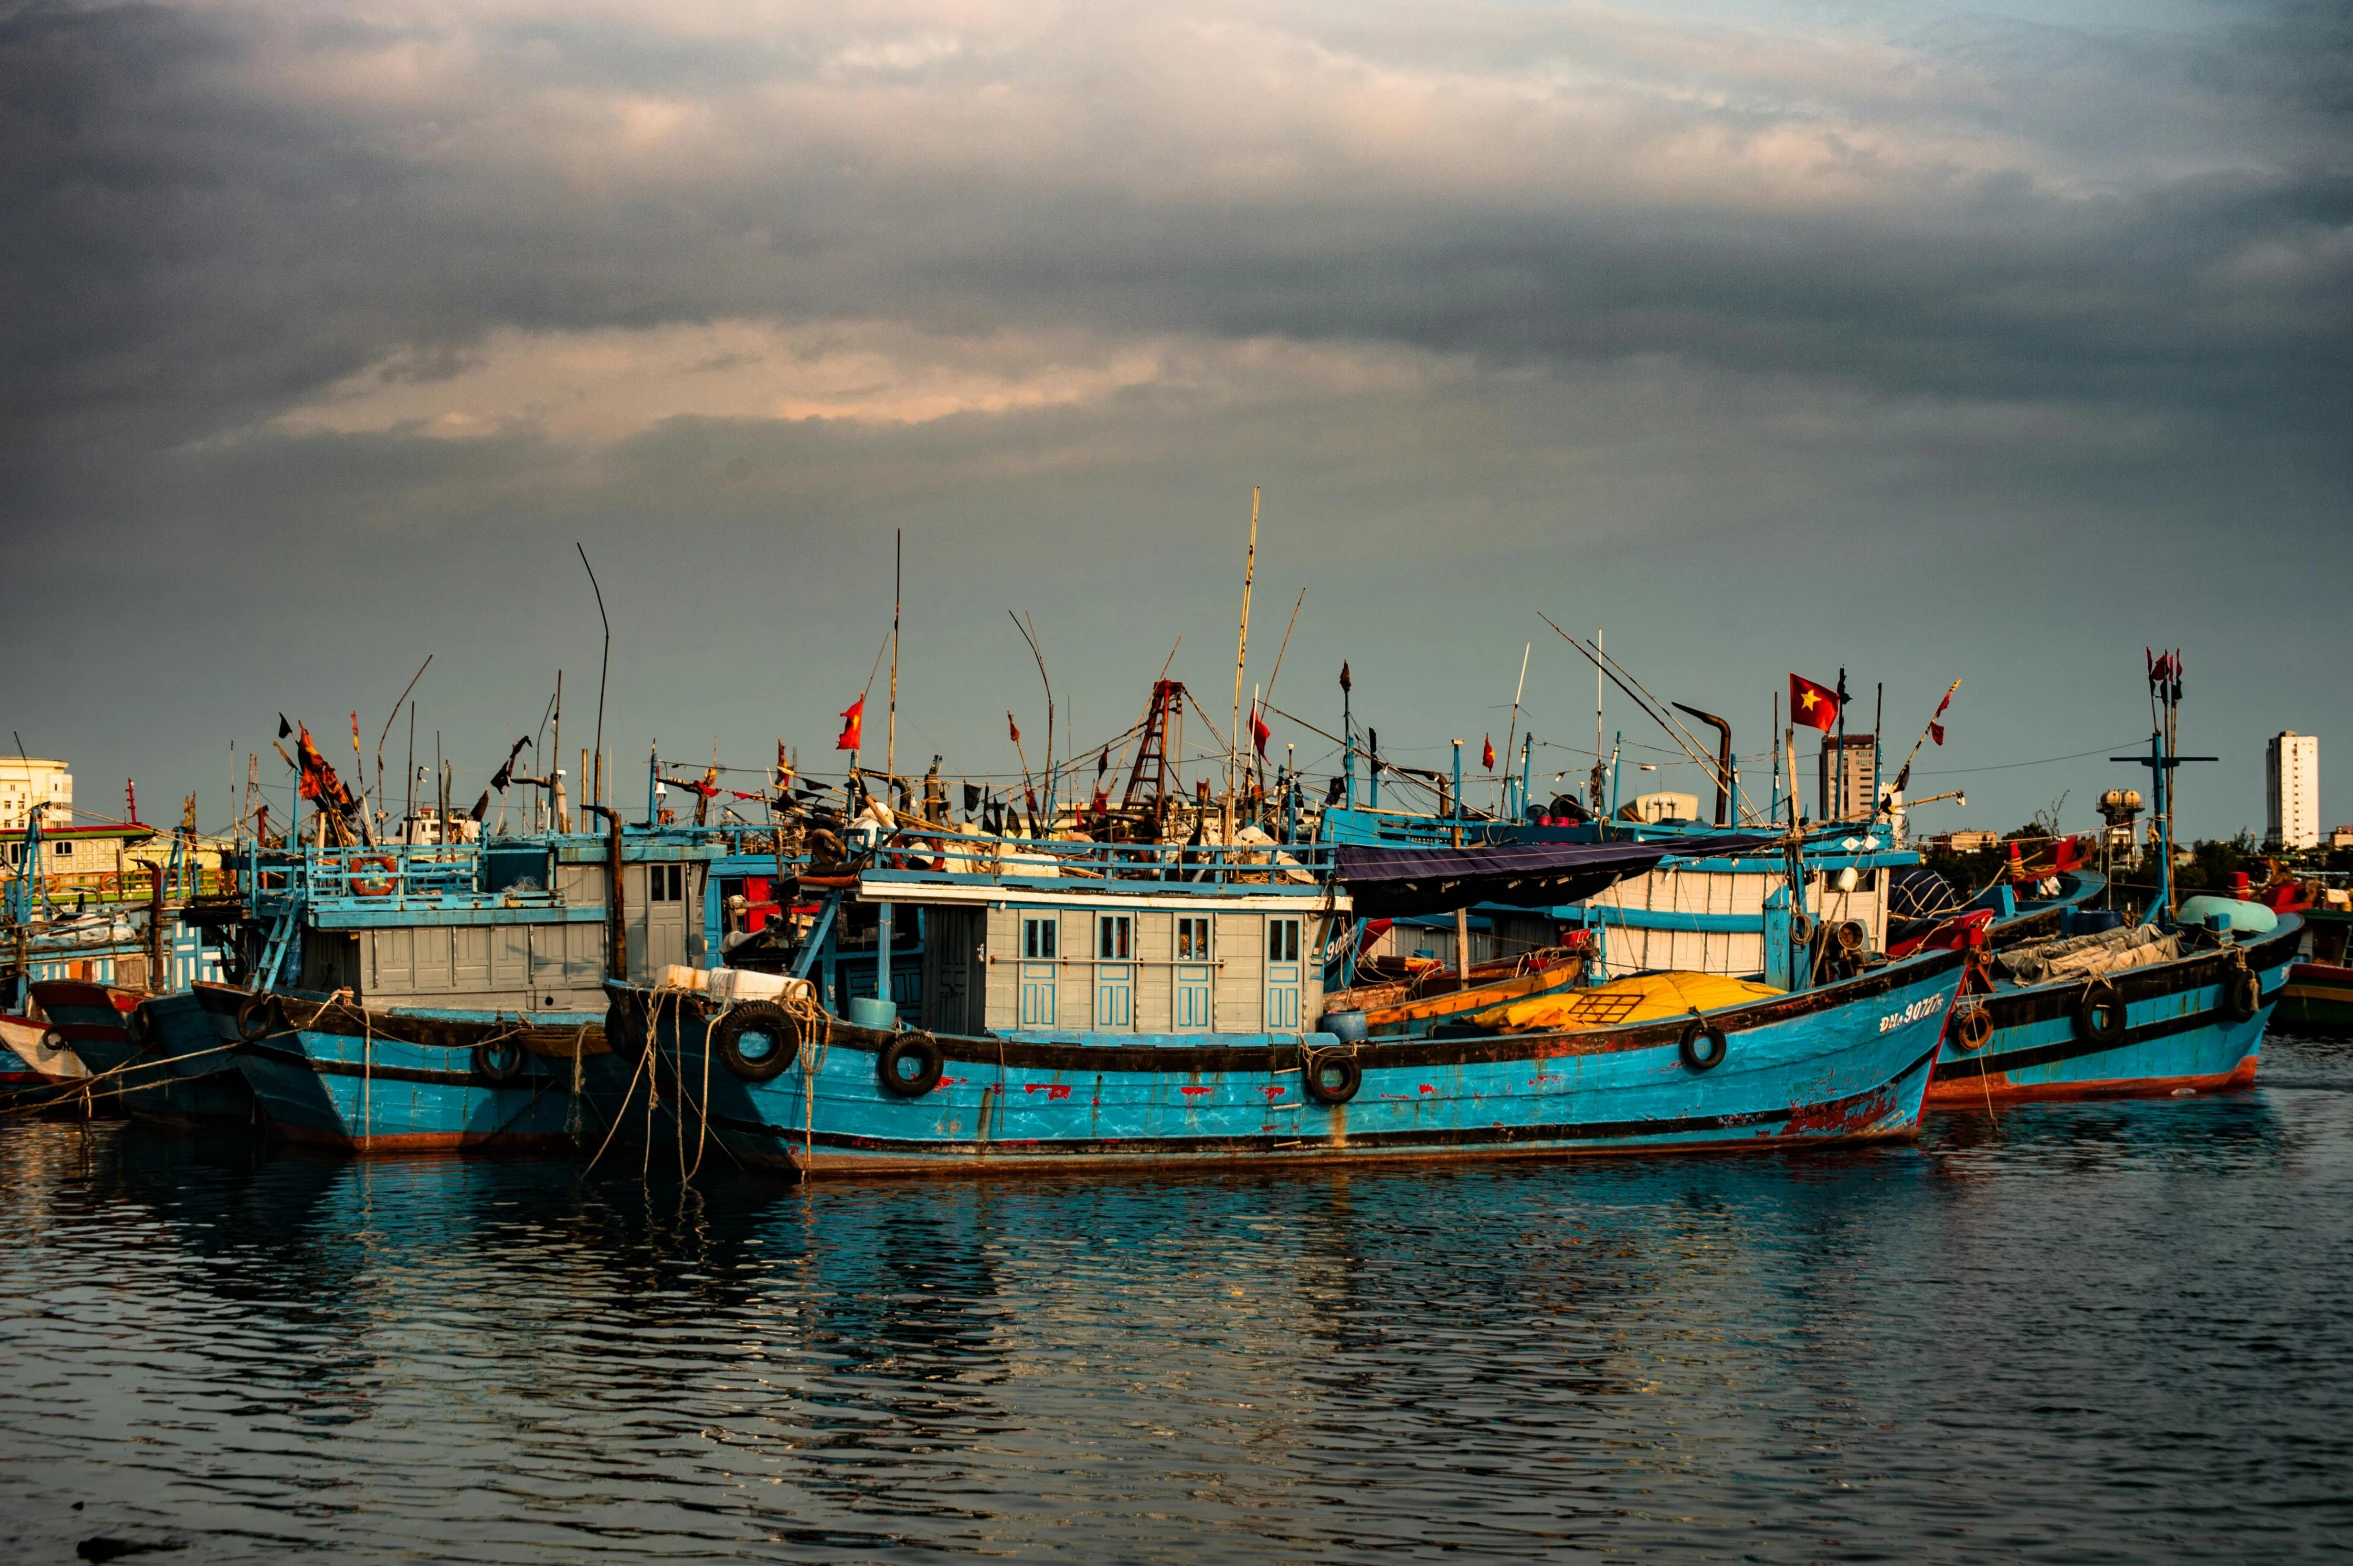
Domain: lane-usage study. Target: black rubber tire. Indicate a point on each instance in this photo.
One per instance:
(625, 1027)
(757, 1020)
(920, 1048)
(2242, 994)
(1315, 1071)
(1971, 1029)
(1693, 1056)
(2099, 1013)
(259, 1017)
(500, 1062)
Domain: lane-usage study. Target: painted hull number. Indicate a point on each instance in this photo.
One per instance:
(1928, 1006)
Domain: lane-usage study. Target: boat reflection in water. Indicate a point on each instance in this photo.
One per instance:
(474, 1358)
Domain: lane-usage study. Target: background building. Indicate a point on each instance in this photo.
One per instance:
(1853, 802)
(2291, 794)
(25, 781)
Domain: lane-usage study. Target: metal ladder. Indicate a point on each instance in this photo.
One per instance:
(273, 951)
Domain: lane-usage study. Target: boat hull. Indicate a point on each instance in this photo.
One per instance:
(341, 1078)
(2317, 996)
(28, 1060)
(88, 1017)
(189, 1071)
(2177, 1038)
(1846, 1064)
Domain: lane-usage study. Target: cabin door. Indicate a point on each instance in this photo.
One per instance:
(1283, 975)
(1038, 960)
(1194, 975)
(1115, 971)
(665, 916)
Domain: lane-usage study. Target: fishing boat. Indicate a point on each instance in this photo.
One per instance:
(1095, 1011)
(447, 995)
(31, 1056)
(2318, 996)
(89, 1019)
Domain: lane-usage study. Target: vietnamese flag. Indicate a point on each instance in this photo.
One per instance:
(853, 726)
(1487, 752)
(1816, 706)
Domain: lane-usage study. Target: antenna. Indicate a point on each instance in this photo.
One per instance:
(606, 668)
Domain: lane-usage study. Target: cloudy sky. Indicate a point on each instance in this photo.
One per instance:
(1934, 340)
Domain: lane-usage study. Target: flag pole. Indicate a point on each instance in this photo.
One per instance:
(890, 743)
(1513, 733)
(1241, 653)
(1841, 772)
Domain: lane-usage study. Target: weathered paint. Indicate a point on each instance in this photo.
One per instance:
(371, 1081)
(2317, 995)
(2175, 1037)
(189, 1070)
(1845, 1063)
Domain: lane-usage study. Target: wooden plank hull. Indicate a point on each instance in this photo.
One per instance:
(189, 1073)
(2176, 1039)
(28, 1060)
(2318, 996)
(342, 1078)
(1846, 1064)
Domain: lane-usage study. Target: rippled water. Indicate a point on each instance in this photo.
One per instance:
(2075, 1333)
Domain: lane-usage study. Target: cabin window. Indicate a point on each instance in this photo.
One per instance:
(1037, 939)
(1192, 936)
(65, 848)
(1282, 940)
(665, 883)
(1114, 937)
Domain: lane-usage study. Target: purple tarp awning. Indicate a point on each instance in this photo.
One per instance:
(1391, 883)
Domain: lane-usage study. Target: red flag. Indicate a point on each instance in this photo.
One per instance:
(853, 726)
(1345, 682)
(1487, 753)
(1013, 728)
(1936, 729)
(1816, 706)
(1259, 732)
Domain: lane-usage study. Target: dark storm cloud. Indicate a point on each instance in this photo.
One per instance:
(1989, 311)
(214, 212)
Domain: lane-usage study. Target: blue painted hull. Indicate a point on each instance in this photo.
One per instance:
(334, 1077)
(2177, 1038)
(1848, 1063)
(189, 1072)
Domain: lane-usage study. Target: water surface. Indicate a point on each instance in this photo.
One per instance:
(2104, 1332)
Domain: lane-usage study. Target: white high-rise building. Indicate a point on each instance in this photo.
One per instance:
(2291, 794)
(25, 782)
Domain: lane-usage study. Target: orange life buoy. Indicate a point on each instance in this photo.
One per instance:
(903, 860)
(374, 886)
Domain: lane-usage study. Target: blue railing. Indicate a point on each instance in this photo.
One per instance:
(913, 854)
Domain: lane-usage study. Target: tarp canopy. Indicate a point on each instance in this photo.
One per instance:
(1392, 883)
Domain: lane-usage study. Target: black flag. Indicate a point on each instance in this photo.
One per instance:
(284, 728)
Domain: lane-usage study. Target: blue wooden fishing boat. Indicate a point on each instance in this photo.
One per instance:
(2131, 1011)
(442, 996)
(1091, 1005)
